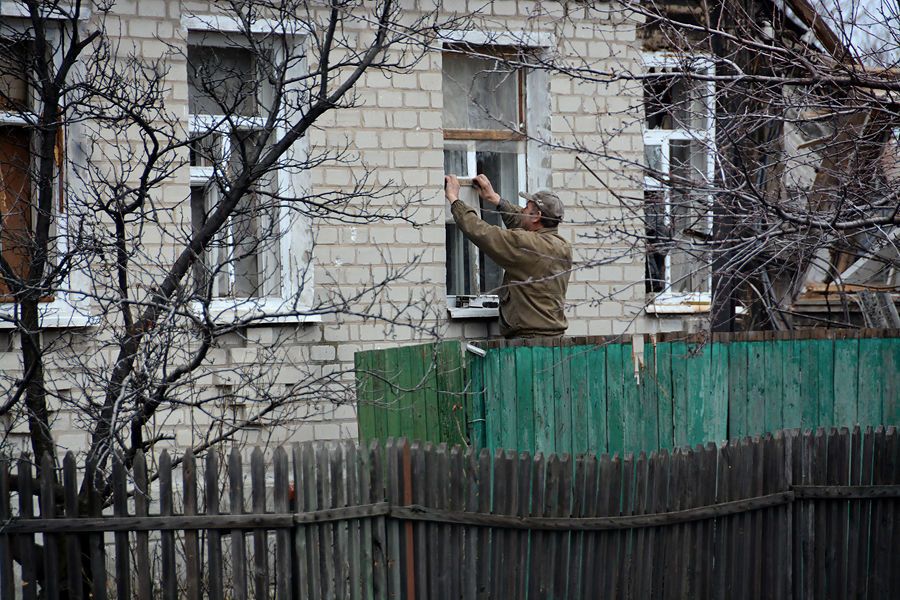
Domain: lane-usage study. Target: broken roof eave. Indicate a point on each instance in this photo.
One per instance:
(804, 15)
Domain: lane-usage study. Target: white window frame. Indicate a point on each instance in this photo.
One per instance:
(531, 172)
(295, 245)
(67, 309)
(668, 301)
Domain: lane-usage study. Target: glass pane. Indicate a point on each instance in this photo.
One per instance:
(500, 162)
(207, 151)
(655, 226)
(653, 157)
(688, 163)
(690, 269)
(247, 245)
(198, 218)
(460, 263)
(480, 93)
(13, 82)
(254, 230)
(456, 160)
(222, 81)
(673, 102)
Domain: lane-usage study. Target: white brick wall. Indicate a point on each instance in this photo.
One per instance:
(397, 133)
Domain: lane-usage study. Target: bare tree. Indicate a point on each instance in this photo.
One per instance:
(123, 297)
(769, 177)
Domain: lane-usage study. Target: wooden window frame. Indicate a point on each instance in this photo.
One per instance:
(21, 119)
(482, 304)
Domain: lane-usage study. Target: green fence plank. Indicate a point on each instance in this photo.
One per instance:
(394, 425)
(846, 366)
(791, 378)
(871, 379)
(475, 401)
(679, 393)
(716, 429)
(773, 354)
(697, 392)
(756, 388)
(420, 360)
(614, 398)
(649, 398)
(631, 402)
(506, 398)
(809, 386)
(562, 392)
(492, 398)
(407, 383)
(596, 400)
(542, 376)
(826, 367)
(576, 358)
(525, 408)
(451, 401)
(665, 395)
(891, 372)
(431, 361)
(737, 389)
(365, 410)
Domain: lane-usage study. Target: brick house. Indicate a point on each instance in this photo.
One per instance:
(470, 104)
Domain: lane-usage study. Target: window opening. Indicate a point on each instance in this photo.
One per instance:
(227, 99)
(679, 155)
(484, 132)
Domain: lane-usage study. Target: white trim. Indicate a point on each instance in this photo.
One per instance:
(475, 309)
(522, 39)
(469, 312)
(225, 310)
(62, 312)
(12, 8)
(224, 24)
(202, 175)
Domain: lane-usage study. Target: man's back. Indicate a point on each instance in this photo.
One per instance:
(537, 265)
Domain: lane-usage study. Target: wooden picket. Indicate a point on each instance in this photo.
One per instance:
(587, 394)
(789, 515)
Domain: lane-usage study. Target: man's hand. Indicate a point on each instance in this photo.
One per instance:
(451, 188)
(486, 190)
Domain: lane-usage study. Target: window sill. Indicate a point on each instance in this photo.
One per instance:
(58, 314)
(677, 309)
(473, 307)
(252, 313)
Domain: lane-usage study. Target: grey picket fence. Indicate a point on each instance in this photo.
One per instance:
(790, 515)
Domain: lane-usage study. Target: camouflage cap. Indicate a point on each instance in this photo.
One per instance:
(548, 203)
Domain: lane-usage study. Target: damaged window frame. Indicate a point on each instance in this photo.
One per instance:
(662, 297)
(469, 271)
(65, 308)
(293, 272)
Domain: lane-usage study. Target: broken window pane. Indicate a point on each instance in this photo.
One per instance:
(456, 160)
(501, 165)
(15, 200)
(222, 81)
(480, 93)
(675, 102)
(13, 80)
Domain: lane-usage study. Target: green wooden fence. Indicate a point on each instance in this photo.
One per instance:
(585, 394)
